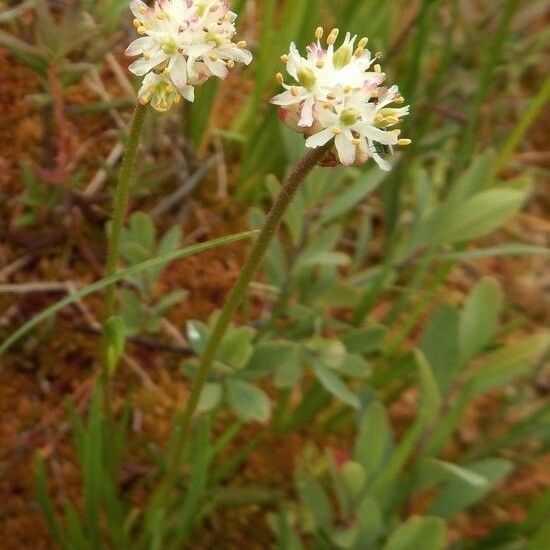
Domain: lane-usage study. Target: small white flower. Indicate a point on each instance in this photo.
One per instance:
(185, 41)
(338, 95)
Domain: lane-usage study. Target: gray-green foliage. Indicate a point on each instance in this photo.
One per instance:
(142, 308)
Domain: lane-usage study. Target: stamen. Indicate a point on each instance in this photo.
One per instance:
(320, 64)
(335, 130)
(332, 37)
(295, 91)
(284, 58)
(280, 78)
(377, 68)
(241, 44)
(403, 142)
(319, 31)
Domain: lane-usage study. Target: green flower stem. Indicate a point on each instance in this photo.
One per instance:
(119, 211)
(272, 222)
(119, 206)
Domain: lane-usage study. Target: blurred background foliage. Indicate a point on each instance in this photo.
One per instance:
(362, 335)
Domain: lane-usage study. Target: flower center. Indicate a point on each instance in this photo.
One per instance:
(306, 77)
(169, 46)
(349, 117)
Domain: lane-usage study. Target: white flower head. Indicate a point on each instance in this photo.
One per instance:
(184, 43)
(338, 94)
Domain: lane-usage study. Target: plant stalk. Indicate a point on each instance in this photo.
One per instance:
(237, 294)
(117, 220)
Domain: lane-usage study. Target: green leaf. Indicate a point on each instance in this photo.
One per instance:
(247, 401)
(316, 500)
(236, 347)
(434, 472)
(430, 395)
(335, 385)
(482, 214)
(197, 333)
(364, 341)
(506, 364)
(143, 230)
(122, 274)
(114, 339)
(439, 344)
(374, 439)
(418, 533)
(458, 495)
(354, 476)
(275, 357)
(507, 249)
(169, 300)
(210, 397)
(371, 521)
(479, 318)
(353, 195)
(330, 352)
(45, 502)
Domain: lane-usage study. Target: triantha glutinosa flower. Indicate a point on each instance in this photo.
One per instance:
(340, 94)
(184, 43)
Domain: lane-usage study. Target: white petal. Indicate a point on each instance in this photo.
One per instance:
(286, 98)
(138, 8)
(178, 71)
(386, 138)
(319, 139)
(345, 148)
(217, 68)
(140, 45)
(143, 66)
(306, 118)
(188, 93)
(294, 59)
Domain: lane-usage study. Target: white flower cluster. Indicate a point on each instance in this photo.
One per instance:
(339, 94)
(184, 43)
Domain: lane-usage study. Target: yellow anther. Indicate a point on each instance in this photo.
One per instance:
(141, 30)
(280, 78)
(356, 141)
(146, 56)
(363, 42)
(320, 64)
(230, 63)
(335, 130)
(213, 57)
(136, 23)
(399, 100)
(378, 119)
(319, 31)
(347, 89)
(241, 44)
(295, 91)
(403, 142)
(331, 97)
(333, 36)
(177, 99)
(392, 120)
(284, 58)
(377, 68)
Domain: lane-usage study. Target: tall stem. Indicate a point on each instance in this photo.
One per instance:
(272, 222)
(120, 201)
(117, 219)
